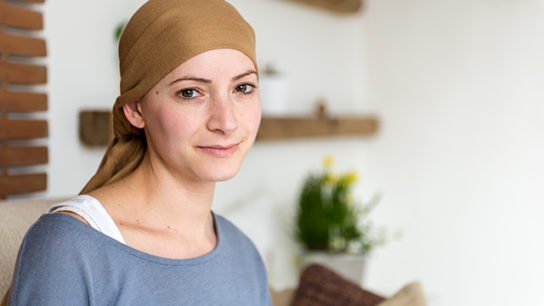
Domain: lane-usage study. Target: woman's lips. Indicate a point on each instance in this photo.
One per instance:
(219, 150)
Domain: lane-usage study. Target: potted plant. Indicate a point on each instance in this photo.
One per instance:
(331, 226)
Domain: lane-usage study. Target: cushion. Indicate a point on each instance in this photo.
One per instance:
(321, 286)
(409, 295)
(282, 297)
(16, 216)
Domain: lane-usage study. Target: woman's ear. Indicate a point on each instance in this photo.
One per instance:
(133, 113)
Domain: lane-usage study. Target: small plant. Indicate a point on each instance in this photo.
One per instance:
(118, 31)
(327, 217)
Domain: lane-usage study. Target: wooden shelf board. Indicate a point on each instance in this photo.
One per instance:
(275, 128)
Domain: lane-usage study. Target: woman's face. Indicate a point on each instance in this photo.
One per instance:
(201, 119)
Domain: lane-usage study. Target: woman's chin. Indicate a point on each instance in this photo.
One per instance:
(221, 177)
(220, 173)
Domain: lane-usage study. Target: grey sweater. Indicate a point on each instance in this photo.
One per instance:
(62, 261)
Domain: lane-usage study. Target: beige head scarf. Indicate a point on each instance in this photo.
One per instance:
(160, 36)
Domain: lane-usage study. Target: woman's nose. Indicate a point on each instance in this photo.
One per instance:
(223, 117)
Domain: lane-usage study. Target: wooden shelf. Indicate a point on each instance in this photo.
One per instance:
(95, 127)
(278, 128)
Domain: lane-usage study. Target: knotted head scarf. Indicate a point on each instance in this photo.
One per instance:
(159, 37)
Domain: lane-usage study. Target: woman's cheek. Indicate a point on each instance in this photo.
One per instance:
(254, 116)
(171, 126)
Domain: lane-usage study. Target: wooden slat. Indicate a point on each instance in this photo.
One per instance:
(292, 127)
(17, 184)
(23, 156)
(22, 129)
(18, 101)
(20, 17)
(21, 45)
(23, 74)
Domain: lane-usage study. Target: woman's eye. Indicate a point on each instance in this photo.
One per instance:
(188, 93)
(245, 88)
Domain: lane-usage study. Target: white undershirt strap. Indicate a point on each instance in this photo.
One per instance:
(93, 212)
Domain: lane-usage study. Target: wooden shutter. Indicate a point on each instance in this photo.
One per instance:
(20, 99)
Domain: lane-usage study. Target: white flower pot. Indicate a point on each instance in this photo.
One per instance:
(350, 266)
(274, 90)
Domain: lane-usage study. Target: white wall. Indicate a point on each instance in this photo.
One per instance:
(456, 86)
(459, 89)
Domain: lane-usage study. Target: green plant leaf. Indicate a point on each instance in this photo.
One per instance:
(119, 30)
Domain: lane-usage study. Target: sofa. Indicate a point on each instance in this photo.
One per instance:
(16, 216)
(317, 286)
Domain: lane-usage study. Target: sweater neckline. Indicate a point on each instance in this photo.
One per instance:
(101, 238)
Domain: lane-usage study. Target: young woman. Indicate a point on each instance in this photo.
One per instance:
(142, 231)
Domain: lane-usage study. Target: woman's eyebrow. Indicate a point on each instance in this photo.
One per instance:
(190, 78)
(244, 74)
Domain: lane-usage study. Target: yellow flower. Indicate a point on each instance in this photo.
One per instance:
(328, 161)
(330, 178)
(351, 177)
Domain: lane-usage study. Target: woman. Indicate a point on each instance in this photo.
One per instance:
(187, 115)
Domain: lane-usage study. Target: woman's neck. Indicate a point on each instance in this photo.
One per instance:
(153, 198)
(172, 193)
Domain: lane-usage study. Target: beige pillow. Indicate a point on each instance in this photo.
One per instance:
(283, 297)
(409, 295)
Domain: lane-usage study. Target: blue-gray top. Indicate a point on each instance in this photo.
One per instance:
(63, 261)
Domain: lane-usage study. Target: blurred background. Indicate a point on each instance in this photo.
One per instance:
(457, 87)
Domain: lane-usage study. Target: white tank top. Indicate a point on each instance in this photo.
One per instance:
(93, 212)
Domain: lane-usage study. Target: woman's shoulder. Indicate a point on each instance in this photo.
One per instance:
(72, 207)
(227, 229)
(56, 240)
(55, 253)
(242, 257)
(53, 223)
(61, 230)
(58, 235)
(234, 239)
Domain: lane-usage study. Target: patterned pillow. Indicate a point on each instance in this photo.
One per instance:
(321, 286)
